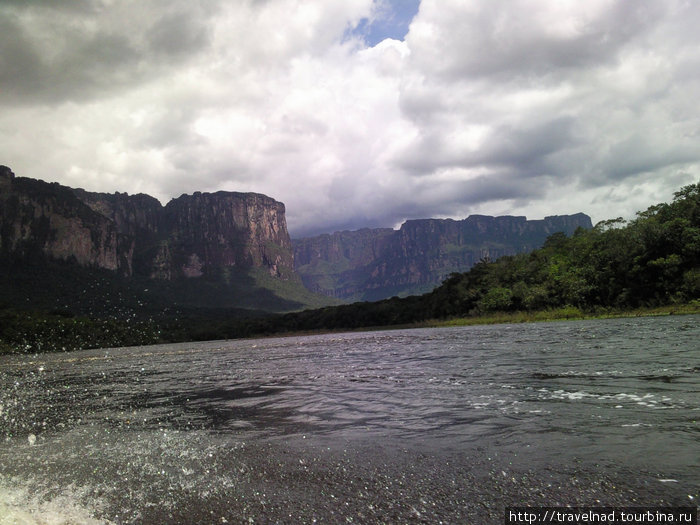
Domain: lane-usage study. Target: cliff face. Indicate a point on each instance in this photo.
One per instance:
(193, 236)
(218, 246)
(41, 219)
(347, 248)
(134, 215)
(420, 255)
(224, 229)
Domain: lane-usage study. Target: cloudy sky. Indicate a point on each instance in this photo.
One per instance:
(359, 113)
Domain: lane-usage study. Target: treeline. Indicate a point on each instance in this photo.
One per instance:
(653, 260)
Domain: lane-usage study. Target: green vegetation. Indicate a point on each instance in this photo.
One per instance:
(61, 331)
(653, 260)
(289, 293)
(647, 266)
(567, 313)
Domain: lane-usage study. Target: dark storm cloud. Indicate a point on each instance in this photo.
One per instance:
(637, 154)
(456, 200)
(89, 52)
(21, 72)
(531, 101)
(94, 67)
(69, 6)
(178, 34)
(525, 148)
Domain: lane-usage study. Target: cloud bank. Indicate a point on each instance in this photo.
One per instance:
(533, 108)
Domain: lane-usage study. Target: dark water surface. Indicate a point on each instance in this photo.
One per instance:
(422, 425)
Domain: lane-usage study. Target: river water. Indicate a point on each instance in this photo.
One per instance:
(426, 425)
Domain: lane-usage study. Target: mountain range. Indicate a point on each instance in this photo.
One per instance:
(69, 248)
(373, 264)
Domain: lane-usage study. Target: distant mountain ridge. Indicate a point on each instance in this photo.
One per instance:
(373, 264)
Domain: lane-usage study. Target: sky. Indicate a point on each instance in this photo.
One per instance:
(359, 113)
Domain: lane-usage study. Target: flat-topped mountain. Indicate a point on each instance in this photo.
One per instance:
(199, 234)
(219, 249)
(41, 219)
(372, 264)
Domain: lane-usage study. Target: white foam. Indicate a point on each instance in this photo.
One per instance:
(18, 507)
(645, 400)
(563, 394)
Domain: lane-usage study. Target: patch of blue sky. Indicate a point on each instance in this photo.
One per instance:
(390, 19)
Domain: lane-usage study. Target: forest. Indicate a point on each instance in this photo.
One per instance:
(652, 260)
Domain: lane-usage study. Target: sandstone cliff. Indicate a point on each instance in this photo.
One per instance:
(239, 240)
(215, 248)
(134, 215)
(418, 256)
(200, 234)
(41, 219)
(226, 229)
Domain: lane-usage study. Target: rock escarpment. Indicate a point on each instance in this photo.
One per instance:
(41, 219)
(211, 249)
(200, 234)
(211, 235)
(224, 230)
(418, 256)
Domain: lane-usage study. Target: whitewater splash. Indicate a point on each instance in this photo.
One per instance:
(20, 507)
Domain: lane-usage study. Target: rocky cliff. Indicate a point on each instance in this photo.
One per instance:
(237, 239)
(375, 264)
(225, 230)
(343, 250)
(134, 215)
(41, 219)
(200, 234)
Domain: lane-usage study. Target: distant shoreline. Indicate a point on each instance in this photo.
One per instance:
(539, 316)
(558, 314)
(568, 314)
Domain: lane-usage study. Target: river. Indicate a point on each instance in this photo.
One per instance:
(425, 425)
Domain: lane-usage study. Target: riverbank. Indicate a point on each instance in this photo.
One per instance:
(567, 314)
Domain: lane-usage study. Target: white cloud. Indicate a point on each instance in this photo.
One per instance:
(536, 107)
(560, 96)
